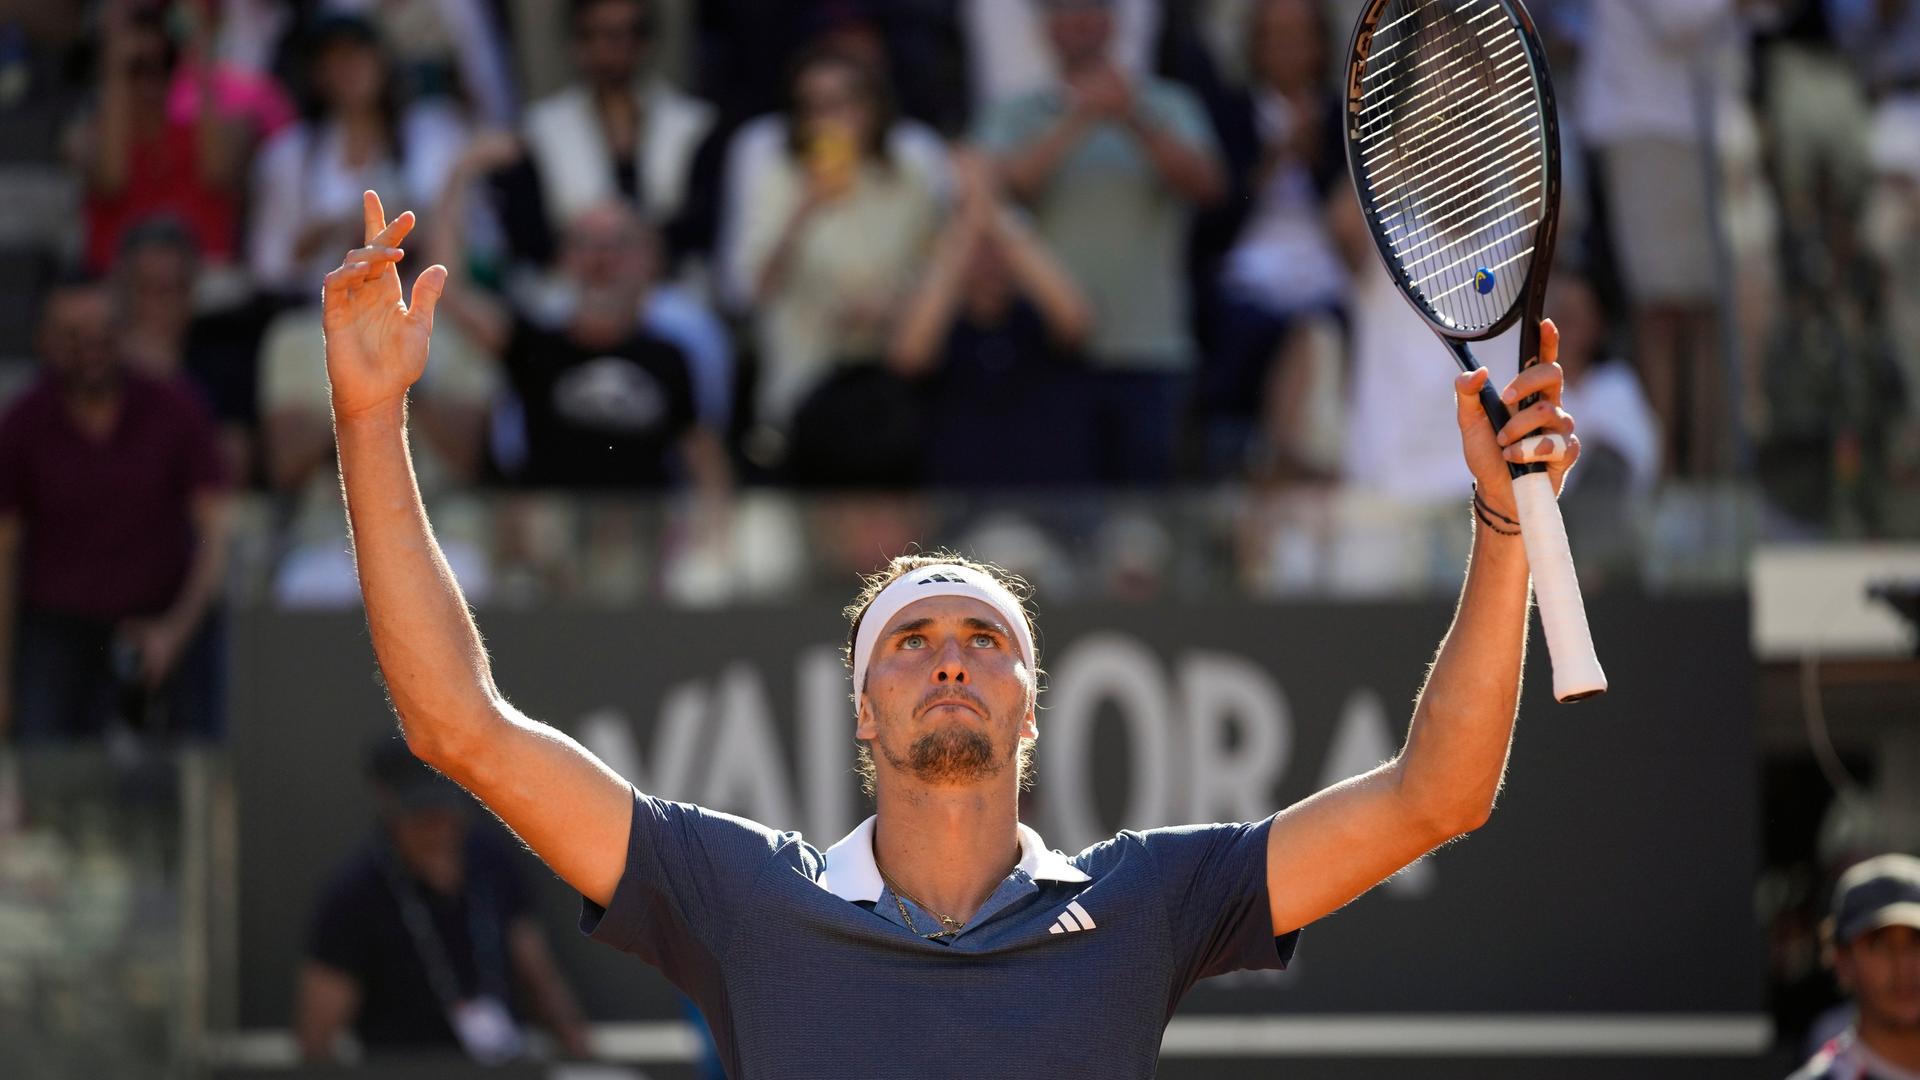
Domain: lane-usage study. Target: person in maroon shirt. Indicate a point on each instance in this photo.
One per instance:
(113, 538)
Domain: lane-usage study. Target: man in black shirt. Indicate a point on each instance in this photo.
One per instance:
(607, 405)
(423, 940)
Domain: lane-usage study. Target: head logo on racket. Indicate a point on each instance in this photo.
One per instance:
(1484, 280)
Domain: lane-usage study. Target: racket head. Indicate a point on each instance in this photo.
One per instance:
(1453, 145)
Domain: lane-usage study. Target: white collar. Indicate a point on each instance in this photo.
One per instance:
(852, 874)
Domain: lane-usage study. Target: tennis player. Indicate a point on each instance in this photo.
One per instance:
(942, 937)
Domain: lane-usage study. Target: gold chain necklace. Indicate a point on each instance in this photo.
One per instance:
(950, 925)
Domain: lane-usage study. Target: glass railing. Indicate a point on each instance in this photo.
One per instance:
(107, 872)
(765, 545)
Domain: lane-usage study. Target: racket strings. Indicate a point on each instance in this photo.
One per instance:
(1450, 145)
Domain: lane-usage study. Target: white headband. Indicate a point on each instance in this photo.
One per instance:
(929, 581)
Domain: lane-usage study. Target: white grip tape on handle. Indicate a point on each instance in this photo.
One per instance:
(1576, 670)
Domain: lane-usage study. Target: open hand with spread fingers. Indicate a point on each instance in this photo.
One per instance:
(1543, 431)
(376, 341)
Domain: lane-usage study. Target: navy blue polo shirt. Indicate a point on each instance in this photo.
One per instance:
(804, 968)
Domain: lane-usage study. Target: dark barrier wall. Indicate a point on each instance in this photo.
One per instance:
(1616, 875)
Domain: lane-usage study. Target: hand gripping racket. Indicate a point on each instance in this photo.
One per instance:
(1455, 153)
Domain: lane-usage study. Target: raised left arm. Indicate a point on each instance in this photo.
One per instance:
(1327, 849)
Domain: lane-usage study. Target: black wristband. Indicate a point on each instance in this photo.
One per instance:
(1487, 508)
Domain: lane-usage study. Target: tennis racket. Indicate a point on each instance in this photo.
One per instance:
(1455, 153)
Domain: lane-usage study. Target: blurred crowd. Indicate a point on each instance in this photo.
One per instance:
(706, 247)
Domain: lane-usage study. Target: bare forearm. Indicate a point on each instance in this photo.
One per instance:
(1027, 171)
(209, 567)
(1456, 751)
(928, 317)
(424, 638)
(1190, 172)
(112, 131)
(1045, 282)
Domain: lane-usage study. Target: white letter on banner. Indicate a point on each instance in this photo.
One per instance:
(1216, 691)
(826, 743)
(1361, 742)
(748, 774)
(609, 735)
(1099, 668)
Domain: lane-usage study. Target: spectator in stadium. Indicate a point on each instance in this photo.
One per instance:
(1280, 271)
(833, 230)
(166, 338)
(450, 50)
(356, 134)
(605, 403)
(994, 324)
(1872, 943)
(113, 540)
(425, 939)
(1008, 56)
(140, 160)
(1656, 78)
(1883, 37)
(757, 148)
(620, 131)
(1097, 149)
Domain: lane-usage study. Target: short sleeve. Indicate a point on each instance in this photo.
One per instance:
(338, 936)
(1179, 111)
(203, 465)
(1007, 125)
(13, 462)
(689, 875)
(1214, 882)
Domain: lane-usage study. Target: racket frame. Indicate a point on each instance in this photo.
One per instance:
(1581, 677)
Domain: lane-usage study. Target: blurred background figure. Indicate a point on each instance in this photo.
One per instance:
(620, 130)
(598, 401)
(140, 158)
(357, 133)
(995, 328)
(114, 506)
(1873, 947)
(831, 234)
(1273, 279)
(1095, 147)
(1659, 87)
(444, 50)
(423, 941)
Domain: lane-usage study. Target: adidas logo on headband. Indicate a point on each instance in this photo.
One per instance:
(939, 578)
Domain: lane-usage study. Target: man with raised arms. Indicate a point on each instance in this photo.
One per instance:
(942, 937)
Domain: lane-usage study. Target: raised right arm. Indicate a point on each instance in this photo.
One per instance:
(565, 804)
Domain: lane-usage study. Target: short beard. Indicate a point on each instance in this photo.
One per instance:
(952, 755)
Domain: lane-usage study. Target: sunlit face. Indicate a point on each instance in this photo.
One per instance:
(1881, 969)
(1080, 30)
(609, 252)
(830, 97)
(611, 41)
(159, 286)
(948, 695)
(77, 338)
(350, 75)
(1287, 50)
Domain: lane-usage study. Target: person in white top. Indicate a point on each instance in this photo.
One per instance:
(620, 130)
(357, 136)
(1658, 78)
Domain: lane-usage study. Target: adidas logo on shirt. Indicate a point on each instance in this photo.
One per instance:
(1073, 919)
